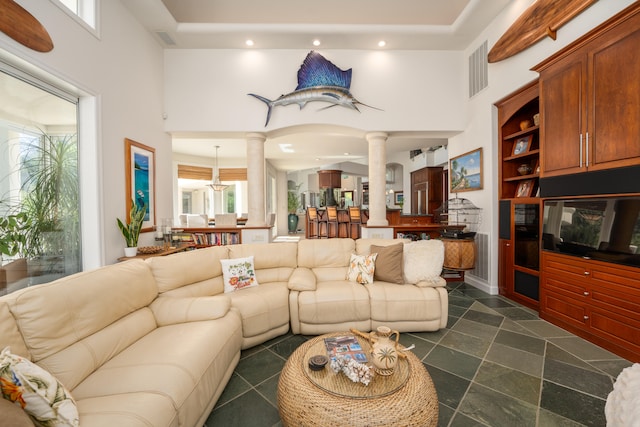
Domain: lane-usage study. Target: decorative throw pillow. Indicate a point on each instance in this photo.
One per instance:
(423, 260)
(361, 268)
(238, 273)
(389, 263)
(38, 392)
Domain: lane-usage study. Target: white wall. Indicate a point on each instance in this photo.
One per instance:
(505, 77)
(207, 90)
(119, 71)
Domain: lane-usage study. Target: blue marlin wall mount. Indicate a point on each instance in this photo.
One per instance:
(318, 80)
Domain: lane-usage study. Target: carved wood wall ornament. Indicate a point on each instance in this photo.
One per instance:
(543, 18)
(23, 27)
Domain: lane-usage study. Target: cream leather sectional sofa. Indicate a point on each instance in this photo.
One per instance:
(154, 343)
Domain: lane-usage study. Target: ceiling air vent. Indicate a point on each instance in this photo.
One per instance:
(166, 38)
(478, 70)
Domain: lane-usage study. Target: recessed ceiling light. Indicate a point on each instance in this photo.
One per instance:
(316, 42)
(249, 42)
(382, 43)
(286, 148)
(346, 154)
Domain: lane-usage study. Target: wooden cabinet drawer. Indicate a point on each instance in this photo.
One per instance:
(565, 309)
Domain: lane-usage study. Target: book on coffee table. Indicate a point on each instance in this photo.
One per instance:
(345, 345)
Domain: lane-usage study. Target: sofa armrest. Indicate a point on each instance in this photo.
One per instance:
(302, 279)
(434, 282)
(170, 310)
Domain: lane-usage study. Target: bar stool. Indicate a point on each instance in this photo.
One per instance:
(343, 224)
(312, 223)
(332, 221)
(354, 222)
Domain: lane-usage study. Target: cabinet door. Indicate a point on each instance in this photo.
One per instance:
(615, 108)
(563, 111)
(505, 273)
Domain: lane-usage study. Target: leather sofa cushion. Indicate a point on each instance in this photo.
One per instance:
(168, 311)
(168, 362)
(334, 302)
(177, 270)
(262, 308)
(325, 253)
(393, 303)
(10, 336)
(55, 315)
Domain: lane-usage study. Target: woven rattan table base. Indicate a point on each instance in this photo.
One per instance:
(302, 403)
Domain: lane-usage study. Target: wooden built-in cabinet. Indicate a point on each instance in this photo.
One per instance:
(426, 190)
(590, 100)
(594, 299)
(519, 208)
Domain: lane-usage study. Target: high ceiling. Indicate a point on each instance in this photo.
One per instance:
(295, 24)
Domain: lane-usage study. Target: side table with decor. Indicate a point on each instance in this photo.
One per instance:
(310, 397)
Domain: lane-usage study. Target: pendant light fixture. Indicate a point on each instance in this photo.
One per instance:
(217, 185)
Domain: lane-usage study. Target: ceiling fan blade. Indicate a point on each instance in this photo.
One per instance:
(21, 26)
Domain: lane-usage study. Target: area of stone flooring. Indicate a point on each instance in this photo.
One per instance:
(496, 364)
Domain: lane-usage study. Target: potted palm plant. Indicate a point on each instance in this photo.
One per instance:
(293, 204)
(131, 230)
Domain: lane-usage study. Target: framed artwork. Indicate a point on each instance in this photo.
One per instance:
(522, 145)
(465, 171)
(399, 198)
(537, 168)
(140, 179)
(525, 188)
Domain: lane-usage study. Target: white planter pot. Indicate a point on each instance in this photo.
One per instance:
(129, 252)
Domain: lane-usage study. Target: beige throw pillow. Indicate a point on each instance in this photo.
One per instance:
(389, 263)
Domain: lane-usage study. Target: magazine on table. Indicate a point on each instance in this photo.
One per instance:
(347, 346)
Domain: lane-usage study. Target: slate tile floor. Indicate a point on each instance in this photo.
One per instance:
(496, 364)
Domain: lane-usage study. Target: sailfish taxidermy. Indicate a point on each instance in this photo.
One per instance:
(318, 80)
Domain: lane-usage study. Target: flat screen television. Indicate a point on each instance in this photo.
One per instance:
(605, 229)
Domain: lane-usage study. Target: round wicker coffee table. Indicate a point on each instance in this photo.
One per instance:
(324, 398)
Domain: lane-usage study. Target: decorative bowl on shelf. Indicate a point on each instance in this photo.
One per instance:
(525, 124)
(524, 169)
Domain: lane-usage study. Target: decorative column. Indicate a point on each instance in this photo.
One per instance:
(255, 179)
(377, 179)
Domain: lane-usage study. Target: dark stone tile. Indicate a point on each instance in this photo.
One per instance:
(434, 336)
(457, 311)
(453, 361)
(583, 349)
(466, 343)
(284, 348)
(484, 318)
(544, 329)
(497, 409)
(571, 404)
(549, 419)
(422, 347)
(556, 353)
(475, 329)
(495, 302)
(461, 420)
(509, 381)
(521, 342)
(269, 389)
(444, 415)
(251, 410)
(451, 321)
(235, 387)
(460, 300)
(471, 292)
(523, 361)
(259, 367)
(583, 380)
(450, 388)
(611, 367)
(251, 351)
(516, 313)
